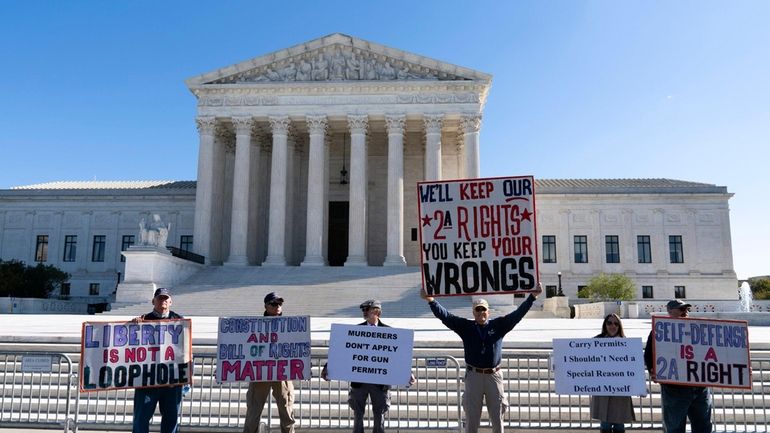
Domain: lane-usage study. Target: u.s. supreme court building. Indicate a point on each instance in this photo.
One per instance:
(309, 156)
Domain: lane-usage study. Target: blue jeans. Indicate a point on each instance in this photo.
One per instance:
(682, 402)
(170, 401)
(614, 426)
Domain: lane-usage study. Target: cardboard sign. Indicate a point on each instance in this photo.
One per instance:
(263, 349)
(701, 352)
(368, 354)
(121, 355)
(599, 366)
(477, 236)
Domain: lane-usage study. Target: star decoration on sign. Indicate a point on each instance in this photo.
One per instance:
(426, 220)
(526, 215)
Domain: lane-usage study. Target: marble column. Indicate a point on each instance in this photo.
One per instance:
(239, 220)
(316, 196)
(395, 125)
(433, 124)
(203, 191)
(276, 248)
(470, 124)
(358, 185)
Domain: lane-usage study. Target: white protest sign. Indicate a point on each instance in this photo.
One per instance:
(368, 354)
(263, 349)
(599, 366)
(477, 236)
(702, 352)
(120, 355)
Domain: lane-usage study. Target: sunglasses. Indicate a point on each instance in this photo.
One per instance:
(480, 309)
(275, 304)
(613, 323)
(684, 309)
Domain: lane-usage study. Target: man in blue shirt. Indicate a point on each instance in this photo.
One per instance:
(483, 346)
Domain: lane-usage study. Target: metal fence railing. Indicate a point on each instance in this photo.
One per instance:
(49, 396)
(38, 389)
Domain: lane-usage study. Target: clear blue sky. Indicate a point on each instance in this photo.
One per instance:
(600, 89)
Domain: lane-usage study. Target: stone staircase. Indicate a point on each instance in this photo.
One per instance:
(318, 292)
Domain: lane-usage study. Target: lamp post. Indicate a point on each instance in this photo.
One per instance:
(559, 293)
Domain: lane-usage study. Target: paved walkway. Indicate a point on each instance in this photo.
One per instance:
(530, 333)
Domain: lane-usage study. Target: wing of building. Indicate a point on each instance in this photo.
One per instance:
(309, 156)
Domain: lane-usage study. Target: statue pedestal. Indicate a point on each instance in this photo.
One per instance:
(148, 268)
(558, 306)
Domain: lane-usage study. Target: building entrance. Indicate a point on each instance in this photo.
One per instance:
(337, 251)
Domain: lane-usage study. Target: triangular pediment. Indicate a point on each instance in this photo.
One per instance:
(337, 58)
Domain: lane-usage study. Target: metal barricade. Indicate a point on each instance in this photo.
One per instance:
(37, 389)
(432, 403)
(49, 397)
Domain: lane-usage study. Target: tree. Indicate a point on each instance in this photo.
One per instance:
(22, 281)
(610, 287)
(760, 287)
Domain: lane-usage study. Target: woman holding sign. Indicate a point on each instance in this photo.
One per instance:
(612, 411)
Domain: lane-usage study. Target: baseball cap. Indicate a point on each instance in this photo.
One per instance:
(371, 303)
(162, 291)
(675, 304)
(273, 297)
(479, 302)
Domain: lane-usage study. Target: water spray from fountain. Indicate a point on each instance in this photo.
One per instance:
(746, 297)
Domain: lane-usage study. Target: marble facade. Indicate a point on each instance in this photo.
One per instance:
(287, 119)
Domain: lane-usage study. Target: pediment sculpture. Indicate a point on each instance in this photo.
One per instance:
(337, 63)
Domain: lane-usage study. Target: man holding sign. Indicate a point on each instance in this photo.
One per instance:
(169, 398)
(259, 392)
(483, 347)
(360, 392)
(680, 402)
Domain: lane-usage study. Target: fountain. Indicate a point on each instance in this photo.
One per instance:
(743, 310)
(746, 297)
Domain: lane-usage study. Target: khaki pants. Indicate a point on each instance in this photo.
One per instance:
(478, 387)
(257, 396)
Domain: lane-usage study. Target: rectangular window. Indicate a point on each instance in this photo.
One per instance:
(549, 249)
(97, 253)
(581, 249)
(126, 243)
(550, 291)
(41, 250)
(675, 249)
(612, 246)
(647, 292)
(70, 248)
(65, 289)
(679, 292)
(580, 290)
(93, 289)
(186, 243)
(643, 249)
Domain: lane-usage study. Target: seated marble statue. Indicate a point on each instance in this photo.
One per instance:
(154, 234)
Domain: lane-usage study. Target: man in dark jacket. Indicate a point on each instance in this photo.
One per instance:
(483, 348)
(259, 392)
(359, 392)
(169, 398)
(680, 402)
